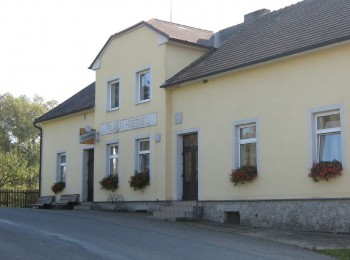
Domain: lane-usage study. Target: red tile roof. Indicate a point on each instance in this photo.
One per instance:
(182, 32)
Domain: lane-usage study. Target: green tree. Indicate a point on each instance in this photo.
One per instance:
(12, 170)
(19, 140)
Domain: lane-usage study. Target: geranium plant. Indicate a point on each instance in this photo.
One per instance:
(325, 170)
(58, 186)
(139, 181)
(109, 182)
(243, 175)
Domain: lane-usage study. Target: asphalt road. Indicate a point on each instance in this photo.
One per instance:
(55, 234)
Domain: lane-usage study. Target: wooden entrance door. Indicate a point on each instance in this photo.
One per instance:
(190, 167)
(90, 179)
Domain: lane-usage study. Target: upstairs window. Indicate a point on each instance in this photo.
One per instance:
(62, 167)
(328, 136)
(113, 95)
(143, 87)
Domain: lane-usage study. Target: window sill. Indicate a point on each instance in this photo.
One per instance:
(112, 109)
(143, 101)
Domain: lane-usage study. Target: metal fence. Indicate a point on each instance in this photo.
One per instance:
(18, 199)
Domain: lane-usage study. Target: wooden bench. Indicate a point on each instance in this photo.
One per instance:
(67, 201)
(43, 202)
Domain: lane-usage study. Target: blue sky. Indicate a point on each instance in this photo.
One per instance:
(47, 45)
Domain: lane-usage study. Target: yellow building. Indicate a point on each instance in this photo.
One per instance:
(232, 122)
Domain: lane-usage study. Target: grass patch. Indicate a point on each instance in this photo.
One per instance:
(342, 254)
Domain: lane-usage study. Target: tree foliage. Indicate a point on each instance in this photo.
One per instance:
(12, 169)
(19, 140)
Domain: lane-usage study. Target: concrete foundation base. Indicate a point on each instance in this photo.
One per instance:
(331, 215)
(322, 215)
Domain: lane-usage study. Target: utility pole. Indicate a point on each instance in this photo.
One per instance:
(171, 11)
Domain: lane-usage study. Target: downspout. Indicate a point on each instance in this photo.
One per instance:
(40, 155)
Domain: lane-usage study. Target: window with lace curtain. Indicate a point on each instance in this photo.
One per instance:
(143, 155)
(328, 136)
(247, 145)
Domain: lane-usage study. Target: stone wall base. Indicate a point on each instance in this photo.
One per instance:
(321, 215)
(131, 206)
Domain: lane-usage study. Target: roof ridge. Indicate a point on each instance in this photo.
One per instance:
(300, 27)
(182, 25)
(245, 24)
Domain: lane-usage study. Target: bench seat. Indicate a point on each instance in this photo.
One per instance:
(67, 201)
(43, 202)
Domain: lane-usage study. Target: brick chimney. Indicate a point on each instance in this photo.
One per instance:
(256, 14)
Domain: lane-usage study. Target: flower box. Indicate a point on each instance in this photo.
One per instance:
(243, 175)
(58, 187)
(325, 170)
(139, 181)
(109, 182)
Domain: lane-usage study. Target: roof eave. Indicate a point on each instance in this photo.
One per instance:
(198, 45)
(87, 109)
(256, 62)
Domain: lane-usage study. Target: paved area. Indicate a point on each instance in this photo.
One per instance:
(87, 234)
(309, 240)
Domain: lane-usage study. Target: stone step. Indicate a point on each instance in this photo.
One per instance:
(180, 211)
(79, 207)
(83, 206)
(177, 208)
(189, 203)
(172, 216)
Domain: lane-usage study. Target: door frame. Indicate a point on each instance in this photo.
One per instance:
(85, 172)
(178, 165)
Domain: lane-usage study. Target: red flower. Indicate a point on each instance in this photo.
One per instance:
(58, 186)
(109, 182)
(139, 180)
(325, 170)
(243, 175)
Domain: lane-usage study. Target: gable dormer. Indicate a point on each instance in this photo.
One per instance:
(167, 31)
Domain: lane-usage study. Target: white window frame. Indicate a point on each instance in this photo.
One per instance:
(61, 177)
(112, 156)
(138, 86)
(237, 141)
(138, 153)
(110, 94)
(314, 133)
(244, 141)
